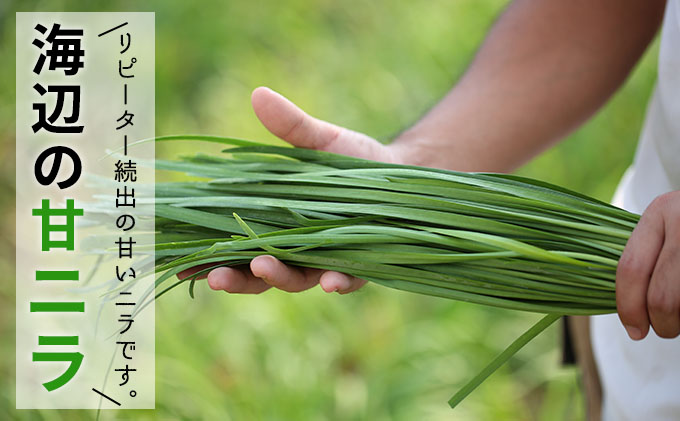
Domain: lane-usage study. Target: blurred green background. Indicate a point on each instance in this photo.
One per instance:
(377, 354)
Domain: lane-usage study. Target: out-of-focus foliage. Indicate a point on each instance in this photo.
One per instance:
(376, 354)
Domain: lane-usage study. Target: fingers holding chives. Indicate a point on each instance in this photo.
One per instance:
(284, 277)
(236, 281)
(634, 272)
(339, 282)
(663, 296)
(267, 271)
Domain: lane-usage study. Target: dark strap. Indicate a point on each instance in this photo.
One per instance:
(568, 354)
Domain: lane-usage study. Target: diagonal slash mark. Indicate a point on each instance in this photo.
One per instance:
(112, 29)
(107, 397)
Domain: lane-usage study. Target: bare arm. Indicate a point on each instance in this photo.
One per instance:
(544, 68)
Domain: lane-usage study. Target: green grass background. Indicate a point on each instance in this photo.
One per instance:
(376, 354)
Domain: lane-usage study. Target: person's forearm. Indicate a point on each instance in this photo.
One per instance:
(545, 67)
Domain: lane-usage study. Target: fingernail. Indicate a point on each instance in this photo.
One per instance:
(634, 333)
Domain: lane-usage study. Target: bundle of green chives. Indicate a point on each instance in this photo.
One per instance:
(493, 239)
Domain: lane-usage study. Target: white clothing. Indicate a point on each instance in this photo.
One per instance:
(641, 380)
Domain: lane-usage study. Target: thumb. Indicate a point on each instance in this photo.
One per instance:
(288, 122)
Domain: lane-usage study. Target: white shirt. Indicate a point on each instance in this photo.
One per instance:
(641, 380)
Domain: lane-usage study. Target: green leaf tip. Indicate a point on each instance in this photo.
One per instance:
(504, 356)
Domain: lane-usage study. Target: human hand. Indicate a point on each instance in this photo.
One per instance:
(285, 120)
(648, 274)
